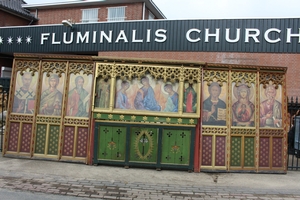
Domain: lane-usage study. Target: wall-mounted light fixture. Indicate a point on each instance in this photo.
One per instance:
(68, 23)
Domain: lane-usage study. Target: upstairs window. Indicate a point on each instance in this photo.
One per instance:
(151, 16)
(89, 15)
(116, 14)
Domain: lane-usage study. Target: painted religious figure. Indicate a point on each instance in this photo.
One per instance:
(79, 97)
(102, 95)
(145, 97)
(243, 108)
(51, 98)
(121, 96)
(190, 99)
(172, 101)
(270, 108)
(24, 97)
(214, 108)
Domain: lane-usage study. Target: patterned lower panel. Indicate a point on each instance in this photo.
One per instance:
(53, 140)
(249, 152)
(220, 151)
(13, 136)
(26, 138)
(264, 149)
(69, 135)
(40, 139)
(235, 155)
(207, 150)
(82, 141)
(277, 159)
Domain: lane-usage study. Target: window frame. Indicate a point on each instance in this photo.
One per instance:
(118, 18)
(89, 19)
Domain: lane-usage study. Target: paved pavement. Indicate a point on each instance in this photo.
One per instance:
(110, 182)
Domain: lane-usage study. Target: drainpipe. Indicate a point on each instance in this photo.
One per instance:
(144, 6)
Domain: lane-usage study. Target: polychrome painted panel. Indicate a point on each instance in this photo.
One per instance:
(147, 94)
(102, 93)
(111, 141)
(143, 144)
(51, 98)
(190, 98)
(79, 95)
(243, 105)
(270, 106)
(25, 93)
(13, 136)
(214, 106)
(176, 146)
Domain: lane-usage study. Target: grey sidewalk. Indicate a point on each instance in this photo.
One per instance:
(106, 182)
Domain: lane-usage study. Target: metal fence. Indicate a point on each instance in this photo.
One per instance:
(294, 134)
(4, 91)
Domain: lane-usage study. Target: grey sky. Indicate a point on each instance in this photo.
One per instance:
(220, 9)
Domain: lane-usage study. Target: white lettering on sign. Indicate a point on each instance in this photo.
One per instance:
(237, 38)
(160, 35)
(266, 35)
(188, 35)
(216, 35)
(289, 34)
(193, 35)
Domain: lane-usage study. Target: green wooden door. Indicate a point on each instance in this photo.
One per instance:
(112, 143)
(176, 146)
(143, 144)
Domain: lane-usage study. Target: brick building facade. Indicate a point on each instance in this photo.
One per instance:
(260, 59)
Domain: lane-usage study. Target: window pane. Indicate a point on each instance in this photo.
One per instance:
(90, 15)
(116, 14)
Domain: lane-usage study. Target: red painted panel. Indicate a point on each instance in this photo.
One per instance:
(68, 141)
(13, 136)
(220, 150)
(277, 153)
(207, 150)
(264, 149)
(26, 138)
(82, 141)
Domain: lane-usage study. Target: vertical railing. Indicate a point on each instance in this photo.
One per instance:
(294, 134)
(4, 91)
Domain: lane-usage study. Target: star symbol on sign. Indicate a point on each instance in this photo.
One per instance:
(28, 39)
(19, 40)
(10, 40)
(1, 40)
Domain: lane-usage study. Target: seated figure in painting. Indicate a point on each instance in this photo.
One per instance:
(214, 109)
(121, 96)
(145, 97)
(243, 108)
(270, 109)
(172, 101)
(51, 98)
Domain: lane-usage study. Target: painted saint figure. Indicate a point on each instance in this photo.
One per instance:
(270, 109)
(190, 99)
(78, 99)
(121, 97)
(214, 109)
(51, 98)
(243, 108)
(24, 99)
(145, 97)
(172, 101)
(102, 93)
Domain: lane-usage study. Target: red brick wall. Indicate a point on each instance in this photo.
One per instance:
(133, 11)
(263, 59)
(11, 20)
